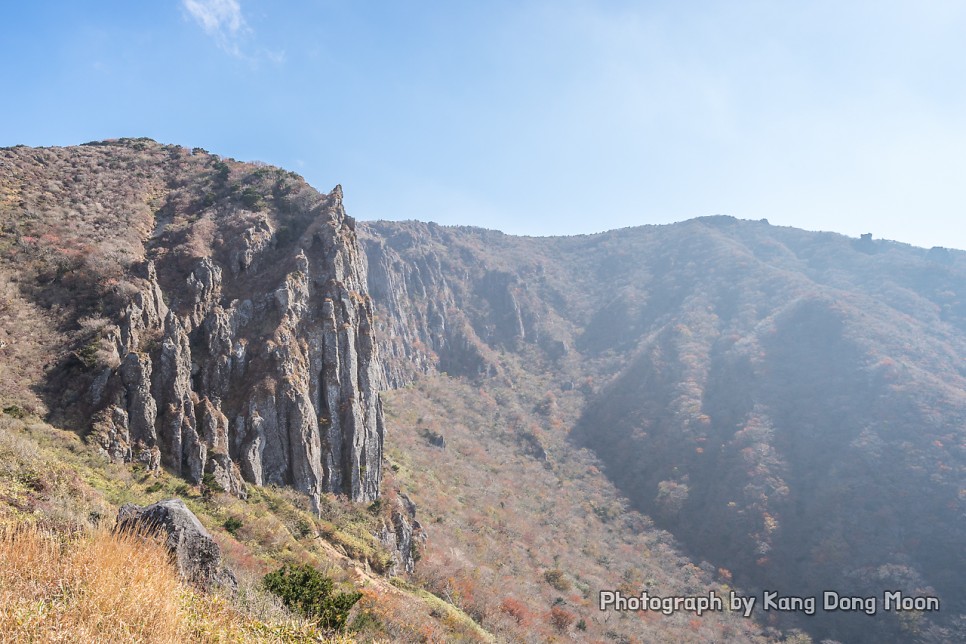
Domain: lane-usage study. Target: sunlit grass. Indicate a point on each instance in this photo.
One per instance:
(99, 586)
(54, 493)
(92, 586)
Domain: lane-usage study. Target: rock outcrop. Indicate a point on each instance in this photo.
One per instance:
(264, 376)
(403, 536)
(442, 305)
(192, 548)
(420, 331)
(453, 299)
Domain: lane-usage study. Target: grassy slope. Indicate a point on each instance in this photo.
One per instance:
(51, 480)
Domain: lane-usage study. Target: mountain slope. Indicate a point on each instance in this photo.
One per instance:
(787, 407)
(790, 405)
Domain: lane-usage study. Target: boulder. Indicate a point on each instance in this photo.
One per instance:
(192, 548)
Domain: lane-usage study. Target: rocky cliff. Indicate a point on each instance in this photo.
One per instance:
(279, 387)
(237, 345)
(447, 303)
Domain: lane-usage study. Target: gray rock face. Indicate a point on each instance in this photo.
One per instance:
(444, 304)
(146, 311)
(195, 553)
(422, 327)
(263, 371)
(402, 536)
(180, 449)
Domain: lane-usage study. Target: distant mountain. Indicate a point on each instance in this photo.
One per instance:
(790, 406)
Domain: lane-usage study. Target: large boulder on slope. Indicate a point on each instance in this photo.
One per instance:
(192, 547)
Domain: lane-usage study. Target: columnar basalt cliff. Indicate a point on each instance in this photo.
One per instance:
(239, 347)
(279, 387)
(445, 305)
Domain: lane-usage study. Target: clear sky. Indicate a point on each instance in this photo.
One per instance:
(532, 117)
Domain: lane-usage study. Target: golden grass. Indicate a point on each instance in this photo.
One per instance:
(97, 586)
(50, 478)
(93, 586)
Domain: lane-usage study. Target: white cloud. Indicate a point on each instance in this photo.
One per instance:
(222, 20)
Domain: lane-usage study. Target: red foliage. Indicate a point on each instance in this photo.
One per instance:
(516, 609)
(561, 618)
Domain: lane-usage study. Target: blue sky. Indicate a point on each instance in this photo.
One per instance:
(532, 117)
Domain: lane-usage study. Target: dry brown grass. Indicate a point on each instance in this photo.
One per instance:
(89, 587)
(51, 480)
(96, 586)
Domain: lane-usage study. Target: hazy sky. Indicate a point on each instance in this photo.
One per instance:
(532, 117)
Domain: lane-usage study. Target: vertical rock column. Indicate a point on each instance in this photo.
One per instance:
(178, 436)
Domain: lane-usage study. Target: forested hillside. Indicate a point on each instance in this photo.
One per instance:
(790, 405)
(505, 425)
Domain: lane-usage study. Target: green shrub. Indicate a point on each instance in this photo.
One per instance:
(210, 485)
(221, 171)
(232, 524)
(16, 411)
(556, 579)
(366, 621)
(305, 590)
(251, 198)
(88, 354)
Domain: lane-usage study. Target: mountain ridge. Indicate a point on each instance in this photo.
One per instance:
(690, 351)
(746, 385)
(867, 240)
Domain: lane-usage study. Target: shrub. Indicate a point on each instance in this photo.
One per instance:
(209, 485)
(305, 590)
(88, 354)
(561, 618)
(556, 579)
(222, 171)
(232, 524)
(516, 609)
(251, 198)
(15, 411)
